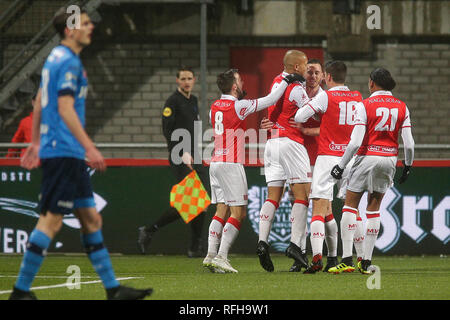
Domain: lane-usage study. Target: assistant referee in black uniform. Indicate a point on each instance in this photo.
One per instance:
(181, 112)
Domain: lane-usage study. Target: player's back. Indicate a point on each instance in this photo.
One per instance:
(338, 120)
(62, 74)
(284, 110)
(385, 115)
(229, 131)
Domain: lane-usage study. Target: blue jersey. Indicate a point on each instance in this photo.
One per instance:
(62, 74)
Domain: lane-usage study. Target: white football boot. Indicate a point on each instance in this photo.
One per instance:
(223, 264)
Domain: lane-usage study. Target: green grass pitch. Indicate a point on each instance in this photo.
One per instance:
(182, 278)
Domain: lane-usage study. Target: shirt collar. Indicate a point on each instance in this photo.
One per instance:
(339, 88)
(228, 97)
(381, 93)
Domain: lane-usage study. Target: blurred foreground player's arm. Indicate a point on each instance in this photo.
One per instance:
(70, 117)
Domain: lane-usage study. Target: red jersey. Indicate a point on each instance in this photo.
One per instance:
(22, 135)
(338, 109)
(293, 98)
(384, 116)
(227, 119)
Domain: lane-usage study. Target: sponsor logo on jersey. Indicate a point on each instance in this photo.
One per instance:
(221, 152)
(337, 147)
(382, 149)
(222, 103)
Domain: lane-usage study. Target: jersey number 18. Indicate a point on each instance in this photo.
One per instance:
(347, 112)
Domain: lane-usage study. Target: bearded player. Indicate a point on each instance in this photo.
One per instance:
(227, 175)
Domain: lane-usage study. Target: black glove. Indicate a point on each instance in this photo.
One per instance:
(291, 78)
(336, 172)
(405, 173)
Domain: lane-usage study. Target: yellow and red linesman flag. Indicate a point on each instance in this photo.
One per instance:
(189, 197)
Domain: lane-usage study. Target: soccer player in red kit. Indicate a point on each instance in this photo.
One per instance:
(374, 139)
(286, 160)
(311, 131)
(227, 175)
(337, 108)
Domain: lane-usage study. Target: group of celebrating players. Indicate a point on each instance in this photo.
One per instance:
(317, 139)
(348, 125)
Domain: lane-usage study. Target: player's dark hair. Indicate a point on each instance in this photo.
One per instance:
(316, 61)
(184, 68)
(337, 69)
(60, 20)
(225, 80)
(383, 79)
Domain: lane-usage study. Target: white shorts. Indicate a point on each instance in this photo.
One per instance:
(286, 160)
(273, 170)
(228, 183)
(322, 186)
(372, 174)
(343, 183)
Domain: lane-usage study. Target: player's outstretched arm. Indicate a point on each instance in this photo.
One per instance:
(245, 107)
(303, 114)
(30, 159)
(70, 117)
(275, 95)
(318, 104)
(408, 145)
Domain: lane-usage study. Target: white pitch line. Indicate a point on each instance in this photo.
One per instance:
(67, 285)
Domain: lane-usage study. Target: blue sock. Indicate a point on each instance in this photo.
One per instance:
(32, 259)
(99, 257)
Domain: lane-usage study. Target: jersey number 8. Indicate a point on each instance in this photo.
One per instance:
(218, 123)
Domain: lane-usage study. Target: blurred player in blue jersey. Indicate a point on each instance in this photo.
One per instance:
(60, 142)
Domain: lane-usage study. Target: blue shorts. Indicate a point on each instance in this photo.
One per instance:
(66, 185)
